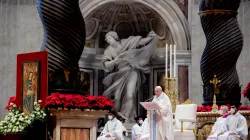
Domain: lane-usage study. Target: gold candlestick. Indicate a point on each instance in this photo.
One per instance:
(171, 91)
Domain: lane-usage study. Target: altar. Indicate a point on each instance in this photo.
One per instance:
(75, 124)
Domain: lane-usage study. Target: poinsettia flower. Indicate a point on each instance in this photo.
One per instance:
(11, 102)
(246, 90)
(72, 101)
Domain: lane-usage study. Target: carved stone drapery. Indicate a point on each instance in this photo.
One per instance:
(223, 47)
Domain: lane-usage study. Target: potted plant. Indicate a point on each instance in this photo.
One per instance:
(16, 124)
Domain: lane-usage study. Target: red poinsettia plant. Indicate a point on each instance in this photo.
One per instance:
(11, 101)
(204, 108)
(76, 101)
(246, 91)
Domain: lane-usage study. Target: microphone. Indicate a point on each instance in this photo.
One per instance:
(149, 99)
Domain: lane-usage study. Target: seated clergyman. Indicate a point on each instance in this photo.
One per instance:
(219, 124)
(137, 128)
(235, 126)
(124, 132)
(113, 129)
(145, 135)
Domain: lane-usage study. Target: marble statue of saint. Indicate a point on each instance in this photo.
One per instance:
(126, 61)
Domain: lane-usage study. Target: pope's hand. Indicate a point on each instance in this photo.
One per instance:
(231, 133)
(221, 133)
(108, 135)
(138, 137)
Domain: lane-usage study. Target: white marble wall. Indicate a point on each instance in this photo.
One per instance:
(198, 44)
(243, 65)
(20, 32)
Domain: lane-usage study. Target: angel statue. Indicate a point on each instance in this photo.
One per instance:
(126, 61)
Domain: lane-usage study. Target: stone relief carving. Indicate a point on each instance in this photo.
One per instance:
(158, 26)
(183, 4)
(91, 26)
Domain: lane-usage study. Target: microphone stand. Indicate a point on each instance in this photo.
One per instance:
(149, 99)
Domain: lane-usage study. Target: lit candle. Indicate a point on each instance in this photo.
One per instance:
(166, 62)
(170, 61)
(175, 62)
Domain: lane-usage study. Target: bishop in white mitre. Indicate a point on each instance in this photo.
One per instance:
(113, 129)
(164, 117)
(235, 127)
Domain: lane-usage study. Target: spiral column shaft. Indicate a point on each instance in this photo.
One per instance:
(224, 42)
(64, 32)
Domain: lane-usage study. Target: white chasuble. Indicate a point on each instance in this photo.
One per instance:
(136, 131)
(114, 128)
(236, 124)
(217, 128)
(145, 135)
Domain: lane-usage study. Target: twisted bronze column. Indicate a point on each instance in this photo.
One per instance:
(224, 44)
(64, 32)
(64, 39)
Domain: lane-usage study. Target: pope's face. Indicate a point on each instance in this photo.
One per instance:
(110, 40)
(158, 92)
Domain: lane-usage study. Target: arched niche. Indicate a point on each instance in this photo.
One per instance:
(169, 13)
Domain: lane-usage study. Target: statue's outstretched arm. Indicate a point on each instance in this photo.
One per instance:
(149, 38)
(145, 41)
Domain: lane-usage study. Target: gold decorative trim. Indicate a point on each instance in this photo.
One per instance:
(208, 12)
(172, 92)
(188, 101)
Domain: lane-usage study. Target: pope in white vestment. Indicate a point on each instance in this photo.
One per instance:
(113, 129)
(235, 127)
(164, 117)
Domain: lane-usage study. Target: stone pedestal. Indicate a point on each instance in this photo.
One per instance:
(83, 121)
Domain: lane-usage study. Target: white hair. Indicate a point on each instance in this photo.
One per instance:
(158, 87)
(225, 108)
